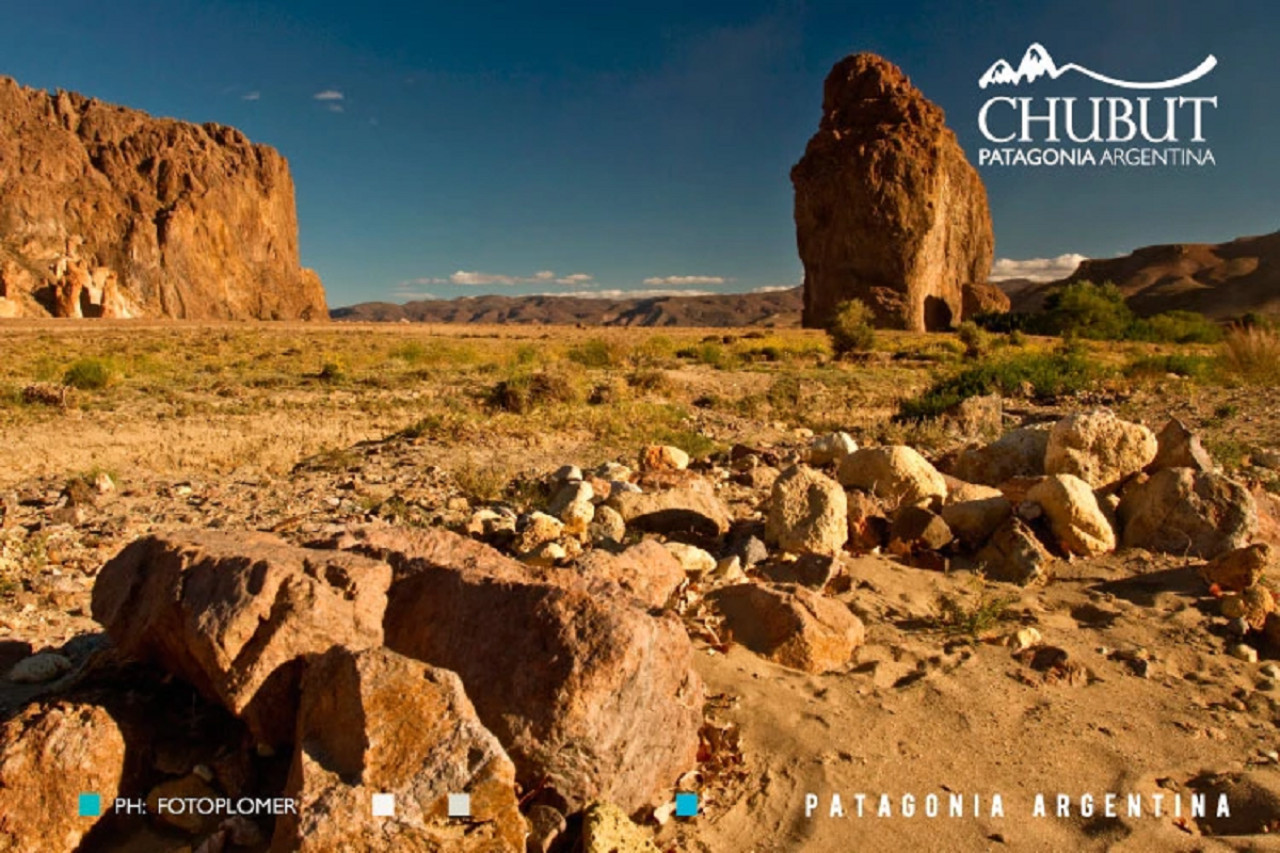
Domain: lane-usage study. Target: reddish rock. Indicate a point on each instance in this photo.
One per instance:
(1013, 554)
(49, 754)
(868, 522)
(887, 208)
(1237, 570)
(646, 570)
(592, 697)
(377, 722)
(790, 625)
(234, 614)
(917, 529)
(195, 221)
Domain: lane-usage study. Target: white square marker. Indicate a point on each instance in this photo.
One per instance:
(459, 805)
(384, 805)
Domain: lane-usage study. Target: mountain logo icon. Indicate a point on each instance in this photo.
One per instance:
(1037, 63)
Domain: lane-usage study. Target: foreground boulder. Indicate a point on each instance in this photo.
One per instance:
(1179, 447)
(887, 208)
(808, 513)
(790, 625)
(1017, 453)
(1013, 554)
(109, 212)
(896, 474)
(1183, 511)
(235, 613)
(1240, 569)
(592, 697)
(377, 722)
(49, 755)
(974, 521)
(1074, 516)
(647, 570)
(1099, 448)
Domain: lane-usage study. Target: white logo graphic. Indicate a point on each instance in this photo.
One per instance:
(1037, 62)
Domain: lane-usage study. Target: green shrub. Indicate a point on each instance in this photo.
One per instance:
(1191, 366)
(331, 371)
(1047, 374)
(976, 341)
(90, 374)
(1088, 310)
(524, 392)
(652, 379)
(850, 329)
(596, 353)
(1176, 327)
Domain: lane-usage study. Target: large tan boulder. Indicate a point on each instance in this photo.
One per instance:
(887, 208)
(1235, 571)
(593, 697)
(790, 625)
(808, 513)
(896, 474)
(1188, 512)
(49, 756)
(375, 722)
(1017, 453)
(1074, 516)
(1099, 448)
(195, 221)
(234, 614)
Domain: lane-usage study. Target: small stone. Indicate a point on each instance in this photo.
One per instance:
(730, 569)
(1244, 652)
(833, 447)
(1270, 670)
(614, 472)
(607, 829)
(606, 526)
(1024, 638)
(537, 529)
(692, 559)
(917, 529)
(808, 513)
(457, 504)
(1239, 569)
(659, 457)
(567, 474)
(103, 484)
(39, 668)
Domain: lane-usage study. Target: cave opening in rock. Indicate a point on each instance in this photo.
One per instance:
(937, 314)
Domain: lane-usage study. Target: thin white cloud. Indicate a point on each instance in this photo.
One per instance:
(475, 278)
(1036, 269)
(412, 295)
(336, 108)
(329, 95)
(774, 288)
(251, 96)
(628, 294)
(684, 280)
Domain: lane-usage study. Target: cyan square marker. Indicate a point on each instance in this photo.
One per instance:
(686, 804)
(90, 804)
(459, 805)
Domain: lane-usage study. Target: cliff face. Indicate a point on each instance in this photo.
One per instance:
(108, 212)
(887, 208)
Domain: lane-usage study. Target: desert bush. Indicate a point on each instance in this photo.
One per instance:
(1088, 310)
(1179, 364)
(90, 374)
(975, 340)
(1047, 374)
(597, 353)
(850, 329)
(522, 392)
(332, 371)
(1253, 353)
(1176, 327)
(650, 379)
(710, 352)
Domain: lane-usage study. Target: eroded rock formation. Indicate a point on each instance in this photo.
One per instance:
(887, 208)
(108, 212)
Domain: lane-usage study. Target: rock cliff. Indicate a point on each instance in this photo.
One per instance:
(887, 208)
(108, 212)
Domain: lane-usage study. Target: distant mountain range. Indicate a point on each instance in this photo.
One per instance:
(1222, 280)
(773, 309)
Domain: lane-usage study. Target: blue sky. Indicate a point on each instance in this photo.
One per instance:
(453, 149)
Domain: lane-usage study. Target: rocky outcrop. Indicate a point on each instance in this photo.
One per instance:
(887, 208)
(108, 212)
